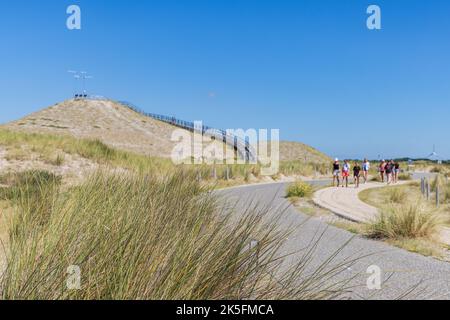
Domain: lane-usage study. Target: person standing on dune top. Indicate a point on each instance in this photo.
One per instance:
(336, 171)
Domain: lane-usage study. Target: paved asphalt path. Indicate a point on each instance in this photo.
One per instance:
(401, 270)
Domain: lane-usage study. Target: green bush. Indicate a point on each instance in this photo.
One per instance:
(299, 189)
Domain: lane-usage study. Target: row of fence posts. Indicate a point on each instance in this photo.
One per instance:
(228, 173)
(425, 188)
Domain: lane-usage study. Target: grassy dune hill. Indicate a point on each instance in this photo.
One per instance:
(291, 151)
(122, 128)
(74, 138)
(107, 121)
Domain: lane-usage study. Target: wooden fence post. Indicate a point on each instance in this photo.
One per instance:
(428, 189)
(437, 195)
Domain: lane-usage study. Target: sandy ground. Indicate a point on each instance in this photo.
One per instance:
(73, 169)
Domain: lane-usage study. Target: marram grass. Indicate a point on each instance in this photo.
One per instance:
(409, 220)
(137, 236)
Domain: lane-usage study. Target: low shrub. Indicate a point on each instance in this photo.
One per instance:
(299, 189)
(405, 221)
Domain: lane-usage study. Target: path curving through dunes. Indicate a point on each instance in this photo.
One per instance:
(401, 270)
(345, 203)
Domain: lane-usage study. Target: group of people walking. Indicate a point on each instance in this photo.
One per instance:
(388, 170)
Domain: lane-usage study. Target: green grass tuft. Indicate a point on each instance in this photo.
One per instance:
(405, 221)
(398, 195)
(299, 189)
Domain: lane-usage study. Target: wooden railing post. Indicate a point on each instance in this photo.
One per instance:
(214, 172)
(437, 194)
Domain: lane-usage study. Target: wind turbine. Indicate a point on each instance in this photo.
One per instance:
(434, 155)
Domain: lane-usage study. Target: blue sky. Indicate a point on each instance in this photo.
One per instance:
(310, 68)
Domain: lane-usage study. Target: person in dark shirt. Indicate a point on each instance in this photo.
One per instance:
(336, 171)
(389, 168)
(356, 174)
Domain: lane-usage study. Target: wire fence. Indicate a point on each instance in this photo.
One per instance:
(242, 146)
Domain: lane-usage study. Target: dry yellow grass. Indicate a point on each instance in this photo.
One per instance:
(136, 236)
(297, 151)
(122, 128)
(107, 121)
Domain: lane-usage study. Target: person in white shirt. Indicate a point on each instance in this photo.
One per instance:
(345, 173)
(366, 168)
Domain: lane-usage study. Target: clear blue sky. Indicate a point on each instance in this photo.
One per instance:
(310, 68)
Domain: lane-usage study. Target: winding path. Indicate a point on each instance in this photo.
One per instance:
(401, 270)
(345, 203)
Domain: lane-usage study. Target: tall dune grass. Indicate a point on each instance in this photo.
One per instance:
(398, 195)
(51, 149)
(50, 146)
(35, 193)
(137, 236)
(446, 194)
(397, 221)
